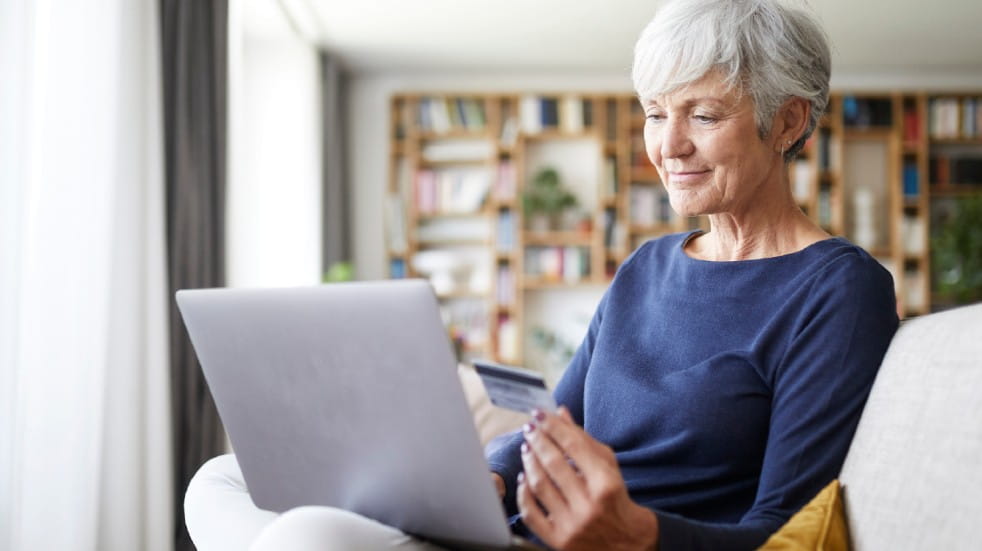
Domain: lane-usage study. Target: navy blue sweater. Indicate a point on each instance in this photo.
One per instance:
(729, 391)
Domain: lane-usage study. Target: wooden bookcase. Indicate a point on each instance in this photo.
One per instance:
(850, 178)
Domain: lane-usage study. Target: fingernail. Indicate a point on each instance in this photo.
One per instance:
(521, 477)
(538, 414)
(525, 448)
(528, 427)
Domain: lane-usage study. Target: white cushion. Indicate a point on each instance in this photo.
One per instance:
(913, 475)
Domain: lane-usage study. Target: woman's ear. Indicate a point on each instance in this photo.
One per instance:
(792, 120)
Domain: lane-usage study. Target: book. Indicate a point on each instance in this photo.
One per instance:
(397, 268)
(457, 150)
(530, 113)
(588, 113)
(507, 339)
(968, 118)
(557, 264)
(506, 231)
(913, 234)
(912, 126)
(451, 191)
(454, 231)
(911, 180)
(439, 115)
(505, 184)
(966, 170)
(825, 207)
(396, 224)
(571, 114)
(940, 170)
(610, 177)
(509, 132)
(914, 295)
(549, 110)
(505, 287)
(944, 118)
(801, 180)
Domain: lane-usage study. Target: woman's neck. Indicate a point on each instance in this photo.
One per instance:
(772, 226)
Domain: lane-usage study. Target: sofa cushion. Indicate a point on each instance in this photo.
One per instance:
(820, 525)
(913, 475)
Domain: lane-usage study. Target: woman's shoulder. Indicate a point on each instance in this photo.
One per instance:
(659, 248)
(838, 258)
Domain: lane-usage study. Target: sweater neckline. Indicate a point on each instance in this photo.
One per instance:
(787, 256)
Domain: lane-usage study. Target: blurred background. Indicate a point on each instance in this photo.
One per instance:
(493, 148)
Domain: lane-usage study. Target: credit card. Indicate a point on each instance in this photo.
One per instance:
(515, 388)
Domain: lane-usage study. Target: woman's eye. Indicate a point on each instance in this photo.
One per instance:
(654, 117)
(705, 119)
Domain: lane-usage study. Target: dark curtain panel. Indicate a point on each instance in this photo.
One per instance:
(193, 36)
(335, 238)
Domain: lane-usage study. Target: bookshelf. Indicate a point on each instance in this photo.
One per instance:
(873, 171)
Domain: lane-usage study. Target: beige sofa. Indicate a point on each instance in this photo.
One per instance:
(913, 475)
(912, 478)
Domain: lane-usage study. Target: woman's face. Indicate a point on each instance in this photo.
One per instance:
(704, 143)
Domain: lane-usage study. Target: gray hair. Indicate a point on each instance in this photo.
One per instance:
(762, 47)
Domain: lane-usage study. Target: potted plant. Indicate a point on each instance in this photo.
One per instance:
(545, 199)
(956, 248)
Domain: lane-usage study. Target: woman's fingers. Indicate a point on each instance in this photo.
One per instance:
(541, 484)
(533, 515)
(554, 464)
(557, 436)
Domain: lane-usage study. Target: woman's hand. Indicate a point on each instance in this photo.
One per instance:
(572, 494)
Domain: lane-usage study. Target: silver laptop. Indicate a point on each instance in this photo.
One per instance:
(347, 395)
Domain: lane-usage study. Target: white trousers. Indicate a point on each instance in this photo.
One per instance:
(220, 516)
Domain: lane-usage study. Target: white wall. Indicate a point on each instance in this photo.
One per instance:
(274, 167)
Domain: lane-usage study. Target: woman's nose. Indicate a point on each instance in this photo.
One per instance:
(675, 140)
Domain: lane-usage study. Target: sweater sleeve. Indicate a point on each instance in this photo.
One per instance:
(506, 459)
(819, 388)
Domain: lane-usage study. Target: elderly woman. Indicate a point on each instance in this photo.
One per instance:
(724, 372)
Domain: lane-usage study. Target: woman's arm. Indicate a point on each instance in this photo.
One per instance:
(505, 461)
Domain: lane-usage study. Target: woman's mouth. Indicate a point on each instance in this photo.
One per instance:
(687, 177)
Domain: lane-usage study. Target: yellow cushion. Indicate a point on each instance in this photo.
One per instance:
(819, 526)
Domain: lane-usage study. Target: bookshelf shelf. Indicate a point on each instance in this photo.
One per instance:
(653, 228)
(545, 284)
(853, 133)
(558, 239)
(454, 163)
(455, 134)
(435, 216)
(956, 141)
(437, 243)
(560, 135)
(462, 295)
(955, 190)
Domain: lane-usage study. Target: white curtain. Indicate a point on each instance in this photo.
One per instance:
(273, 213)
(84, 434)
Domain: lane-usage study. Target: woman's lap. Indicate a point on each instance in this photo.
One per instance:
(220, 515)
